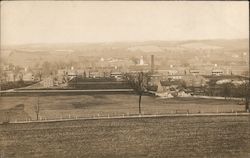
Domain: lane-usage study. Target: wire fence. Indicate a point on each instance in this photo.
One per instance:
(177, 113)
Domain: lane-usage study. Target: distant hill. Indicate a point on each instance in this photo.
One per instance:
(233, 44)
(27, 58)
(33, 53)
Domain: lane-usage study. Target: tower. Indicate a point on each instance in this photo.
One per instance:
(141, 61)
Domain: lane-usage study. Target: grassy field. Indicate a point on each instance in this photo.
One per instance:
(222, 136)
(52, 107)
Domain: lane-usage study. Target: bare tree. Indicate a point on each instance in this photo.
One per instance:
(138, 82)
(5, 76)
(40, 75)
(16, 71)
(37, 108)
(226, 90)
(246, 95)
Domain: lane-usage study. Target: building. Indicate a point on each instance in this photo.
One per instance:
(217, 72)
(194, 72)
(28, 77)
(48, 82)
(154, 79)
(117, 75)
(95, 74)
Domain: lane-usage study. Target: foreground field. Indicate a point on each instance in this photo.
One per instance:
(142, 137)
(64, 106)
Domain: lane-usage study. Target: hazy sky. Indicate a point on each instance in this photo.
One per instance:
(97, 21)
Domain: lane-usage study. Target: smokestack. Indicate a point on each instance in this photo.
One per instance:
(152, 63)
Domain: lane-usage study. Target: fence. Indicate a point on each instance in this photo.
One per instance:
(183, 113)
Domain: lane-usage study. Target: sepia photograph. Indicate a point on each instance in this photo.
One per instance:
(131, 79)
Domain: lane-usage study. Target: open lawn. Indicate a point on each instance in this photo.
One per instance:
(217, 137)
(64, 106)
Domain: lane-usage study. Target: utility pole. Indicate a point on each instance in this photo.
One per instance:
(1, 75)
(0, 58)
(248, 90)
(248, 85)
(0, 70)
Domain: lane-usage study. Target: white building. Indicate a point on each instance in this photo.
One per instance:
(28, 77)
(217, 72)
(117, 75)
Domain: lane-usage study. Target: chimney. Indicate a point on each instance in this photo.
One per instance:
(152, 63)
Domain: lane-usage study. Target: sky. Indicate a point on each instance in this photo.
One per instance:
(24, 22)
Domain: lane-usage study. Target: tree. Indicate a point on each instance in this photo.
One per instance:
(243, 91)
(138, 82)
(212, 86)
(246, 95)
(16, 71)
(39, 74)
(226, 90)
(47, 69)
(37, 108)
(134, 60)
(5, 76)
